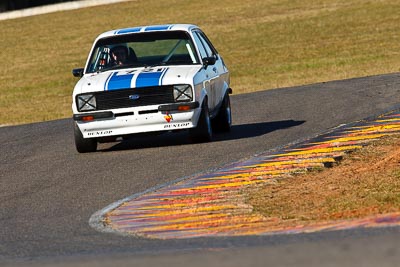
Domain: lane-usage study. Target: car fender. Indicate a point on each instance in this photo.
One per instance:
(200, 95)
(226, 89)
(78, 89)
(203, 95)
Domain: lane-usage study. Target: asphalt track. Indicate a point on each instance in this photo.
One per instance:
(48, 191)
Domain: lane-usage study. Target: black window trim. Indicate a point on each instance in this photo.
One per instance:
(200, 33)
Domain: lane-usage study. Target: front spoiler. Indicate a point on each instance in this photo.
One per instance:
(109, 114)
(133, 121)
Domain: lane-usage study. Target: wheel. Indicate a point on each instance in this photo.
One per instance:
(84, 145)
(223, 121)
(203, 130)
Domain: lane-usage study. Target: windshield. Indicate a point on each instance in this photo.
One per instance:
(142, 49)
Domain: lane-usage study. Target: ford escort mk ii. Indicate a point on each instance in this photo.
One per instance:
(150, 79)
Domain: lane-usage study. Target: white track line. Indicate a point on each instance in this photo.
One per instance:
(55, 8)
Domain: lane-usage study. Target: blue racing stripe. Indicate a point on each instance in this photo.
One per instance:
(106, 83)
(162, 75)
(158, 28)
(145, 79)
(122, 81)
(128, 30)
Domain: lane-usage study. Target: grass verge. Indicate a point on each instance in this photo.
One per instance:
(365, 183)
(266, 44)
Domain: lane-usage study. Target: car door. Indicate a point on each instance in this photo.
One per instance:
(211, 71)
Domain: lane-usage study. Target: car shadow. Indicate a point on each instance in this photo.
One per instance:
(255, 129)
(237, 132)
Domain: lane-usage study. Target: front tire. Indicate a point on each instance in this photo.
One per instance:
(223, 121)
(203, 130)
(84, 145)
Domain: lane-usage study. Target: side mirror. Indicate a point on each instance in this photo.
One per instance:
(77, 72)
(207, 61)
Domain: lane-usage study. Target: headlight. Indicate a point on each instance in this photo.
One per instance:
(86, 102)
(183, 93)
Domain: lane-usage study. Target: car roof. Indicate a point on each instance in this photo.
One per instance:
(149, 28)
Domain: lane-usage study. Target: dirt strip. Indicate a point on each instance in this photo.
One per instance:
(217, 204)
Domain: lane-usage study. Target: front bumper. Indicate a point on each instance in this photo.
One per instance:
(127, 121)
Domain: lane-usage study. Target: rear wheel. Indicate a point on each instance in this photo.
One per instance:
(223, 121)
(203, 131)
(84, 145)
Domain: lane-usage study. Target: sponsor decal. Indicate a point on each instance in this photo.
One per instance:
(176, 125)
(100, 133)
(168, 117)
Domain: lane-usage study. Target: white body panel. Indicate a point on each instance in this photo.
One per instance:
(139, 124)
(207, 81)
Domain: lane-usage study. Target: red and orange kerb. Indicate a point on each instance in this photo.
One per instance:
(213, 204)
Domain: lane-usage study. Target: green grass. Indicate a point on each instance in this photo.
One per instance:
(265, 43)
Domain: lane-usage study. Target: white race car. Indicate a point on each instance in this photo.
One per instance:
(150, 79)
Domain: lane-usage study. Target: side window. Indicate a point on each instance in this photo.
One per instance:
(200, 45)
(207, 44)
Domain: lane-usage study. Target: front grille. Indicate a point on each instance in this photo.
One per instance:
(135, 97)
